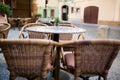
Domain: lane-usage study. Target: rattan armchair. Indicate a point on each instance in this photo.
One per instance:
(67, 37)
(91, 57)
(30, 58)
(30, 33)
(4, 29)
(12, 22)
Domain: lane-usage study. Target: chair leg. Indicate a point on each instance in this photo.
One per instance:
(52, 78)
(85, 78)
(12, 77)
(99, 78)
(29, 79)
(62, 58)
(76, 78)
(105, 77)
(44, 79)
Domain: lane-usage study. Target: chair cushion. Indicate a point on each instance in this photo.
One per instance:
(69, 58)
(49, 65)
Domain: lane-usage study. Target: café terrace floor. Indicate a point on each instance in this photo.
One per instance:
(114, 33)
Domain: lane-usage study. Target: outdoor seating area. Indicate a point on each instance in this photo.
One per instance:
(65, 47)
(20, 22)
(59, 40)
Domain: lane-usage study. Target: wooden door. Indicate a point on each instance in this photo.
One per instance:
(52, 13)
(91, 14)
(22, 8)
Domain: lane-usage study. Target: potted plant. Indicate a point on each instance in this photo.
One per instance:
(39, 15)
(57, 21)
(4, 9)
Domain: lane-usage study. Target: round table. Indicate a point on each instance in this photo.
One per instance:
(56, 30)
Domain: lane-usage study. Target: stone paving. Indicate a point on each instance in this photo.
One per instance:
(91, 33)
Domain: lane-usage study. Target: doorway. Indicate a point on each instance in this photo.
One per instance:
(45, 13)
(65, 12)
(52, 13)
(91, 14)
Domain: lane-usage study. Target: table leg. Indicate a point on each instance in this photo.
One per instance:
(57, 59)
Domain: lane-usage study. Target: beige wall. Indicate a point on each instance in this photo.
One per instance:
(106, 8)
(117, 10)
(51, 3)
(119, 13)
(40, 3)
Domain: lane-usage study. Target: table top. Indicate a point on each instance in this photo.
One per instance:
(56, 29)
(1, 24)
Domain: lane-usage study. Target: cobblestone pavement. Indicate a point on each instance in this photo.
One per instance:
(114, 33)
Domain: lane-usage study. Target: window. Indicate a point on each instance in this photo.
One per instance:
(72, 10)
(52, 13)
(77, 10)
(45, 13)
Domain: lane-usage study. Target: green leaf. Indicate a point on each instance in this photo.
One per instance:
(5, 8)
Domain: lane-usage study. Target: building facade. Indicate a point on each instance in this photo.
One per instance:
(108, 10)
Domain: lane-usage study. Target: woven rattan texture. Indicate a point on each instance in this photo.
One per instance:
(66, 36)
(4, 30)
(29, 58)
(30, 33)
(94, 57)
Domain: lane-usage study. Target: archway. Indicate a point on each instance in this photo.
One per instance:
(65, 12)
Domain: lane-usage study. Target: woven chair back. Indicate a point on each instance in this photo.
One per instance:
(27, 57)
(66, 36)
(94, 57)
(31, 33)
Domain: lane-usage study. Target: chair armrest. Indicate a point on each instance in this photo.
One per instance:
(63, 58)
(49, 36)
(54, 54)
(81, 36)
(21, 33)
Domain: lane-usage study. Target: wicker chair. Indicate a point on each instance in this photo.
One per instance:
(69, 36)
(28, 58)
(91, 57)
(4, 29)
(66, 37)
(30, 33)
(12, 22)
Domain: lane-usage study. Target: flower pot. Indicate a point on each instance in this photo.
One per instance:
(56, 24)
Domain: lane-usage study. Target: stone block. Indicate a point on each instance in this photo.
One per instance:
(103, 32)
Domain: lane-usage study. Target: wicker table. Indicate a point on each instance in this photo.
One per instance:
(56, 30)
